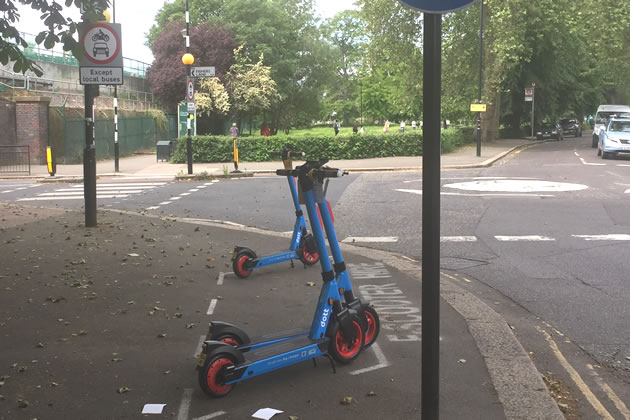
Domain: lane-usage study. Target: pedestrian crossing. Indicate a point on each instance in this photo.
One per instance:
(103, 191)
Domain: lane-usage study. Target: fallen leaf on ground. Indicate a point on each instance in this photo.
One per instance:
(310, 283)
(123, 390)
(161, 335)
(371, 394)
(346, 400)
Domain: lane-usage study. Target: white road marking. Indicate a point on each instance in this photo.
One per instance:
(531, 238)
(79, 197)
(591, 164)
(174, 198)
(627, 191)
(382, 361)
(132, 184)
(163, 203)
(184, 406)
(211, 416)
(458, 239)
(419, 192)
(202, 338)
(221, 277)
(153, 208)
(516, 186)
(378, 239)
(74, 192)
(193, 190)
(213, 304)
(622, 164)
(202, 186)
(185, 194)
(610, 237)
(99, 188)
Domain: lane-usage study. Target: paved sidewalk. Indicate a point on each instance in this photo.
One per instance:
(147, 165)
(485, 372)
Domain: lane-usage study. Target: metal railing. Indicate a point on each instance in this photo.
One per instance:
(43, 85)
(131, 67)
(15, 159)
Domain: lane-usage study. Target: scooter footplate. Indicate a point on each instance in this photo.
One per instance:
(280, 334)
(282, 347)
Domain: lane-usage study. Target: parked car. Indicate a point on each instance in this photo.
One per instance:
(571, 126)
(549, 131)
(615, 138)
(604, 113)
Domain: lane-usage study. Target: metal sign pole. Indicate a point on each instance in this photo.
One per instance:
(89, 158)
(188, 79)
(480, 77)
(533, 120)
(432, 43)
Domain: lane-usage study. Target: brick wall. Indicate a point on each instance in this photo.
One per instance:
(31, 125)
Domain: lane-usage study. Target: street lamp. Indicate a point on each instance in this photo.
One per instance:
(188, 60)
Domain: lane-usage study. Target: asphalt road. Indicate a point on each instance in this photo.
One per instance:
(544, 235)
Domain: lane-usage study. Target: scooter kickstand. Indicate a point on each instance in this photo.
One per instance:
(329, 357)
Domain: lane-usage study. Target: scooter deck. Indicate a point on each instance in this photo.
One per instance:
(283, 347)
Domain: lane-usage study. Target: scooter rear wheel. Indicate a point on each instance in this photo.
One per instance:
(211, 377)
(308, 258)
(239, 265)
(230, 339)
(373, 326)
(341, 348)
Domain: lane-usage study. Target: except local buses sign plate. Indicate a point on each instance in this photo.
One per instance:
(102, 61)
(437, 6)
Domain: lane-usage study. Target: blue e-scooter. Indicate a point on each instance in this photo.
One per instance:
(302, 246)
(338, 330)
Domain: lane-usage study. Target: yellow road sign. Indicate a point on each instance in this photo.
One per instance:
(477, 107)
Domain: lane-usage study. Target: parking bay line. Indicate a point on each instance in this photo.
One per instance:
(383, 362)
(213, 304)
(211, 416)
(184, 406)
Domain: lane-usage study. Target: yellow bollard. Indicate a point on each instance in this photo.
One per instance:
(235, 144)
(50, 161)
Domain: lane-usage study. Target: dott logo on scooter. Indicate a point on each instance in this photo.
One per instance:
(324, 318)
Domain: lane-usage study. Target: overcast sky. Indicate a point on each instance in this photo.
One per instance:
(136, 18)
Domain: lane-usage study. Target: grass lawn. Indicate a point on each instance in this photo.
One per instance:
(345, 131)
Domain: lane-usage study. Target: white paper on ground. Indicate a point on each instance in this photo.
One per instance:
(153, 408)
(266, 413)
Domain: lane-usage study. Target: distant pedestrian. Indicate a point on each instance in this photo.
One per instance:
(337, 127)
(386, 127)
(355, 128)
(413, 124)
(402, 126)
(234, 131)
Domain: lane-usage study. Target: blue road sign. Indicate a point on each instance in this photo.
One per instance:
(437, 6)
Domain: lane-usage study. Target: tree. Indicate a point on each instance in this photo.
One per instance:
(252, 89)
(345, 33)
(210, 45)
(60, 30)
(212, 98)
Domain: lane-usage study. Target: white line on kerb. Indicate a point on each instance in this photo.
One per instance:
(184, 406)
(202, 338)
(381, 359)
(211, 416)
(213, 304)
(531, 238)
(351, 239)
(153, 208)
(611, 237)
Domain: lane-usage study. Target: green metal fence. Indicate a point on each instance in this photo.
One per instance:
(67, 135)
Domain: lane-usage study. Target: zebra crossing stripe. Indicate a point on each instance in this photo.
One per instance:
(609, 237)
(531, 238)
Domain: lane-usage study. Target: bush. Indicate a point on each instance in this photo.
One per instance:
(258, 149)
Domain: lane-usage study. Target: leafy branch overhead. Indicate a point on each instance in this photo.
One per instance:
(60, 30)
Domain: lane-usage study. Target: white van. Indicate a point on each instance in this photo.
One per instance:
(604, 112)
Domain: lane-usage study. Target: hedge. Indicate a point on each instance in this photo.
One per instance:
(258, 149)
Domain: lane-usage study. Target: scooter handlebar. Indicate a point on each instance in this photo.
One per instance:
(329, 172)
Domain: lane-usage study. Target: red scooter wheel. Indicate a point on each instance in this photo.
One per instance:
(211, 375)
(373, 326)
(343, 349)
(239, 265)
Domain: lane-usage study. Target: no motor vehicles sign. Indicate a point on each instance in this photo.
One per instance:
(102, 61)
(437, 6)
